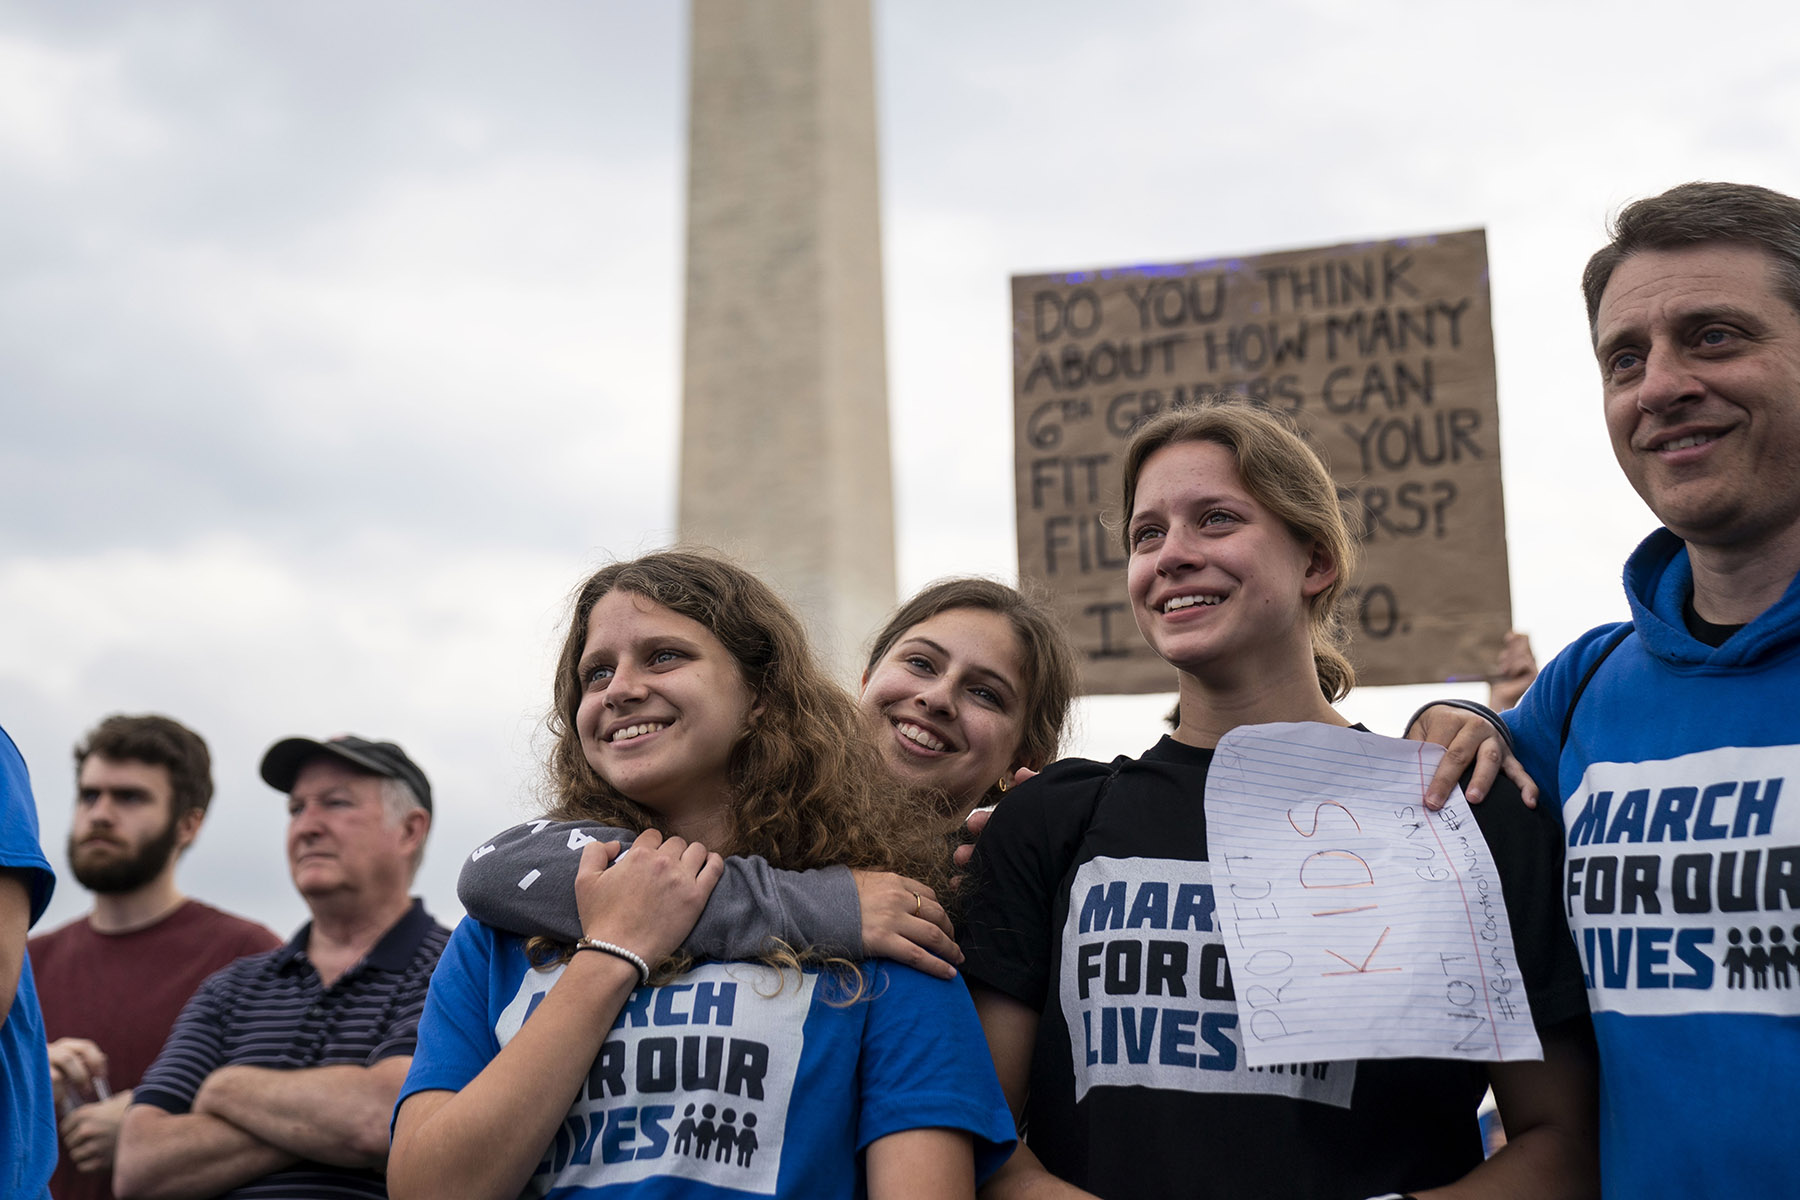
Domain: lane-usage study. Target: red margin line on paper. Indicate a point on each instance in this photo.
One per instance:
(1474, 941)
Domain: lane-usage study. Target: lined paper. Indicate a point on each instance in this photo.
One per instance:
(1357, 923)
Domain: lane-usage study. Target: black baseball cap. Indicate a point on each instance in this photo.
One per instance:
(281, 765)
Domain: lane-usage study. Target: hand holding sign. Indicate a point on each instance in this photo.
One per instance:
(1358, 924)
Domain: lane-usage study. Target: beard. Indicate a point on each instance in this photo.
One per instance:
(111, 875)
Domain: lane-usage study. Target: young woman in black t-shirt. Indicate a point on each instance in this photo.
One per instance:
(1238, 552)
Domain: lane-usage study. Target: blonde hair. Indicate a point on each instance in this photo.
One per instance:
(1283, 474)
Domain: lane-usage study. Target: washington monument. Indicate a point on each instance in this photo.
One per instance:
(784, 433)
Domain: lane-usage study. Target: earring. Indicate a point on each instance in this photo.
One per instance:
(1005, 785)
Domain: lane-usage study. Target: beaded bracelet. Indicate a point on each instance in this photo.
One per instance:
(643, 968)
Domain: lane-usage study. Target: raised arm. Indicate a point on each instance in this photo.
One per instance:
(1513, 671)
(522, 881)
(485, 1139)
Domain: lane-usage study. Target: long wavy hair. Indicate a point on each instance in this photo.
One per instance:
(809, 788)
(1046, 661)
(1285, 476)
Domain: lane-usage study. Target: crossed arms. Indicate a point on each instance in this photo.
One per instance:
(248, 1122)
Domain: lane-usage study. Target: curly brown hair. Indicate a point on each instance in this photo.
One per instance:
(809, 787)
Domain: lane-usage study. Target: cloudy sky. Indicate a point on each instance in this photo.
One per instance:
(339, 340)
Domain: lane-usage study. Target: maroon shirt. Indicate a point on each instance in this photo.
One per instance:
(123, 992)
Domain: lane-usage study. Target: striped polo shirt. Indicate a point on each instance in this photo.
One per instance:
(270, 1010)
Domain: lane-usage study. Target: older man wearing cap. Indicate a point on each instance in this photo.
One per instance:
(280, 1076)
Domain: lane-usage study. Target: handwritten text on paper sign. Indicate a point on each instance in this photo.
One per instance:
(1358, 924)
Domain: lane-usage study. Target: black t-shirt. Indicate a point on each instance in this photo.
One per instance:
(1705, 631)
(1162, 1103)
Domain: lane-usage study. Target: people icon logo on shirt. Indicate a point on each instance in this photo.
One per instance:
(1759, 965)
(707, 1138)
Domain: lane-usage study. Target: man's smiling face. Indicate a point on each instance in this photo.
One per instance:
(1700, 364)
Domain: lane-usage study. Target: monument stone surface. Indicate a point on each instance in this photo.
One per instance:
(784, 436)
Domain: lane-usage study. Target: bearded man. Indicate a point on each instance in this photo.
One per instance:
(112, 982)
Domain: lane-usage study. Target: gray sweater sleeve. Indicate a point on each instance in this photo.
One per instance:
(523, 881)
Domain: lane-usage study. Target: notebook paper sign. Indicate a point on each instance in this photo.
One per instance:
(1357, 924)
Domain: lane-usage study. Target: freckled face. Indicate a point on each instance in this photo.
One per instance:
(663, 703)
(1217, 581)
(1700, 368)
(947, 704)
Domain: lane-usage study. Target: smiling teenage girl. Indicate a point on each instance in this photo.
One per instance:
(1237, 553)
(687, 698)
(968, 681)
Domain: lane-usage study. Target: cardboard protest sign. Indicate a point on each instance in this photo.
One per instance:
(1383, 352)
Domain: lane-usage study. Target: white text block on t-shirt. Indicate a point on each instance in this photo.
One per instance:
(1357, 923)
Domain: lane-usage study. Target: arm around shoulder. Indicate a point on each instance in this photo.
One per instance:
(1538, 721)
(522, 881)
(755, 902)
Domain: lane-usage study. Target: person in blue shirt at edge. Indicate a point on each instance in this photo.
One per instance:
(1237, 551)
(27, 1111)
(686, 698)
(1671, 741)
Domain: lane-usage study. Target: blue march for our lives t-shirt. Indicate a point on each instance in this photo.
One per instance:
(735, 1078)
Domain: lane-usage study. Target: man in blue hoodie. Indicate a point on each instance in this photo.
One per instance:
(1672, 741)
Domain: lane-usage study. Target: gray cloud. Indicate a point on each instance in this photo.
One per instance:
(337, 340)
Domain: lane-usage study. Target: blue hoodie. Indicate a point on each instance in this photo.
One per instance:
(1679, 782)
